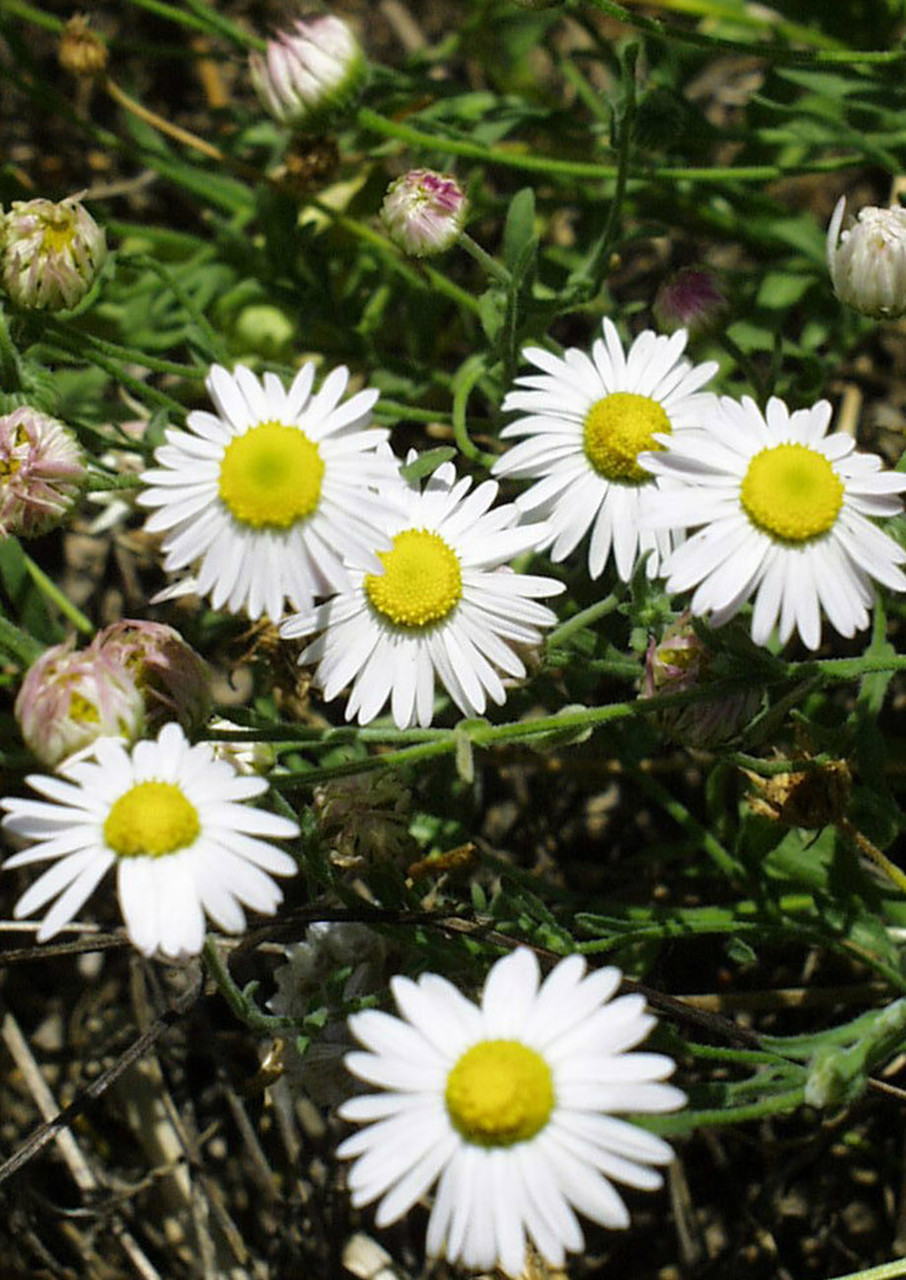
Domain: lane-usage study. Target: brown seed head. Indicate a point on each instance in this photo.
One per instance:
(81, 52)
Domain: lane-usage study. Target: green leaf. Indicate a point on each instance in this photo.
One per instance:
(519, 232)
(427, 463)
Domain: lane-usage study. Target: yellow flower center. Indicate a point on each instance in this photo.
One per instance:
(58, 231)
(83, 711)
(619, 428)
(151, 819)
(271, 476)
(499, 1093)
(792, 492)
(421, 583)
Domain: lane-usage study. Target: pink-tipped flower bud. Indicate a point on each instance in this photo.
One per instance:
(51, 253)
(424, 212)
(173, 679)
(42, 470)
(308, 74)
(68, 699)
(693, 299)
(867, 260)
(680, 662)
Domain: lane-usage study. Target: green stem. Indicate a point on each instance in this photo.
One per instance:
(245, 1009)
(52, 592)
(513, 158)
(584, 618)
(40, 17)
(210, 343)
(718, 1117)
(395, 261)
(886, 1271)
(463, 383)
(496, 270)
(761, 49)
(586, 280)
(723, 861)
(88, 345)
(745, 364)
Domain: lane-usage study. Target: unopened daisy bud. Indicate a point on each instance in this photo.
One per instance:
(174, 680)
(424, 212)
(692, 299)
(81, 52)
(51, 253)
(867, 261)
(680, 662)
(68, 699)
(308, 74)
(42, 470)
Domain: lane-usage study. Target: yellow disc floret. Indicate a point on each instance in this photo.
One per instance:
(792, 493)
(58, 230)
(151, 819)
(500, 1092)
(620, 427)
(421, 583)
(270, 477)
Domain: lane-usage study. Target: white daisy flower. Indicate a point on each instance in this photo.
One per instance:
(786, 513)
(271, 493)
(173, 822)
(586, 421)
(510, 1105)
(442, 603)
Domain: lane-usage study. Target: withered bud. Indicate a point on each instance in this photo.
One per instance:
(81, 52)
(810, 799)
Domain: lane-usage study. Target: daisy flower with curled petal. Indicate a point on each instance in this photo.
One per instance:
(510, 1105)
(784, 513)
(585, 421)
(269, 494)
(442, 604)
(173, 822)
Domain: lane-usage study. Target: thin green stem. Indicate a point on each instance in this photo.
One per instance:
(245, 1010)
(586, 281)
(886, 1271)
(719, 1117)
(40, 17)
(395, 261)
(492, 268)
(464, 382)
(584, 618)
(760, 49)
(512, 157)
(210, 342)
(52, 592)
(88, 345)
(723, 861)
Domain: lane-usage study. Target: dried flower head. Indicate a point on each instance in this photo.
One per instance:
(68, 699)
(811, 798)
(174, 680)
(364, 817)
(42, 470)
(693, 299)
(424, 212)
(80, 51)
(308, 74)
(867, 261)
(51, 253)
(337, 963)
